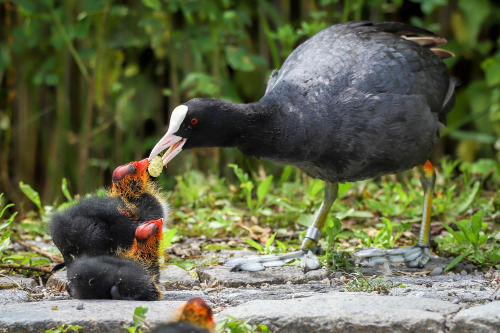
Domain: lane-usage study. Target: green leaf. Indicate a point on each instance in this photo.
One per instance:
(452, 232)
(306, 219)
(458, 259)
(263, 188)
(254, 244)
(388, 228)
(333, 229)
(270, 241)
(477, 223)
(343, 188)
(470, 198)
(32, 195)
(153, 4)
(51, 79)
(478, 255)
(167, 238)
(5, 240)
(314, 187)
(140, 315)
(287, 171)
(466, 232)
(281, 246)
(65, 191)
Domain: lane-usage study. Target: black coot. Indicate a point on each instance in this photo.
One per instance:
(355, 101)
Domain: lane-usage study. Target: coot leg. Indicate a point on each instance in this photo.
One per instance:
(307, 250)
(415, 256)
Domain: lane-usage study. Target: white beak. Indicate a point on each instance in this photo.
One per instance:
(170, 139)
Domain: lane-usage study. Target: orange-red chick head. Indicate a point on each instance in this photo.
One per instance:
(132, 179)
(196, 312)
(147, 241)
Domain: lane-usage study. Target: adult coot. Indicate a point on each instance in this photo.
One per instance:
(355, 101)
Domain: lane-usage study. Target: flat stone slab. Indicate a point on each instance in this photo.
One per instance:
(351, 313)
(16, 280)
(455, 288)
(479, 319)
(172, 277)
(96, 315)
(13, 296)
(222, 276)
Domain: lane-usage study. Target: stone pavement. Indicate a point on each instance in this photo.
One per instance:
(284, 299)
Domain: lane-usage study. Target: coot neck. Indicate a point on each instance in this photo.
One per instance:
(230, 124)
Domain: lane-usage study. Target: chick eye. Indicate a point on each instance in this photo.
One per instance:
(91, 281)
(194, 121)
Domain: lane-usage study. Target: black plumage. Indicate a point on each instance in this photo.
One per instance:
(357, 100)
(354, 101)
(108, 277)
(102, 225)
(179, 327)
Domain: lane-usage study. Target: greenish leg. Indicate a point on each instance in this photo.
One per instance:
(313, 233)
(428, 180)
(415, 256)
(307, 252)
(309, 246)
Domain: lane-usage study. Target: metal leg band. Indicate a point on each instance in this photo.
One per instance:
(313, 233)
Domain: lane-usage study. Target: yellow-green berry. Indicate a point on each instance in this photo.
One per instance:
(155, 166)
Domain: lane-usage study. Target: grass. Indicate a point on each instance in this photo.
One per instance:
(359, 283)
(270, 214)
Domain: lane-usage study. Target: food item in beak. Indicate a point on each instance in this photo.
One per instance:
(155, 166)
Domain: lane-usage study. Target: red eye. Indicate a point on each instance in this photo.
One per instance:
(194, 121)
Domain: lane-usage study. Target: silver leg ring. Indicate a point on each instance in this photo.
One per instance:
(313, 233)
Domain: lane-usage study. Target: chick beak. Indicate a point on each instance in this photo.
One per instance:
(141, 165)
(148, 229)
(171, 141)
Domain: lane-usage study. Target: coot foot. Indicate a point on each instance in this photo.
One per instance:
(307, 250)
(415, 256)
(418, 255)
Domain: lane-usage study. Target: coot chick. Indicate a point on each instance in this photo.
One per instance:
(355, 101)
(146, 247)
(109, 277)
(102, 225)
(195, 316)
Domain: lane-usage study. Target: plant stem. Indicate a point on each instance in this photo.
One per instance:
(38, 250)
(30, 268)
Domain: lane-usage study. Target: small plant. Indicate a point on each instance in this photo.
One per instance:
(359, 283)
(471, 242)
(139, 319)
(166, 241)
(239, 326)
(268, 249)
(334, 259)
(385, 238)
(185, 264)
(33, 196)
(263, 187)
(5, 226)
(65, 329)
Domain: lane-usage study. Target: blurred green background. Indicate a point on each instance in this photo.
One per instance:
(86, 85)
